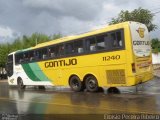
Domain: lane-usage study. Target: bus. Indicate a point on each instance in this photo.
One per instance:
(113, 56)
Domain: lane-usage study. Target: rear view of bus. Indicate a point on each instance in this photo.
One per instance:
(142, 57)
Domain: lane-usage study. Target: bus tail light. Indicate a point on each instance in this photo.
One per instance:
(133, 68)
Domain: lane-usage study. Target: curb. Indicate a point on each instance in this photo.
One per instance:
(3, 81)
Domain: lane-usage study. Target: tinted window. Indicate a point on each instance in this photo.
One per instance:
(78, 46)
(51, 51)
(101, 42)
(116, 39)
(41, 54)
(90, 44)
(59, 50)
(31, 55)
(108, 41)
(10, 59)
(26, 56)
(18, 58)
(9, 66)
(69, 48)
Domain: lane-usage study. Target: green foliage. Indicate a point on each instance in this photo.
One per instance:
(139, 15)
(4, 50)
(22, 43)
(155, 43)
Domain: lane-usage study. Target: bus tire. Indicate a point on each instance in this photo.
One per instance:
(75, 84)
(113, 90)
(20, 84)
(41, 87)
(91, 84)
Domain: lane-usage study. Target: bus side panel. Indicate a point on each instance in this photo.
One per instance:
(113, 75)
(95, 64)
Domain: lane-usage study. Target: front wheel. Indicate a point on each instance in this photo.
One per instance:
(20, 84)
(91, 84)
(75, 84)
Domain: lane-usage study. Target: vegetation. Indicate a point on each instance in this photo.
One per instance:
(139, 15)
(155, 43)
(143, 16)
(22, 43)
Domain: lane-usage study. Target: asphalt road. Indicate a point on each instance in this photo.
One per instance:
(61, 103)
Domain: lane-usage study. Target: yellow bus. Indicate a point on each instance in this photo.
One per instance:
(113, 56)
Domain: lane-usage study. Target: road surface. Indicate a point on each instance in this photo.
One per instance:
(61, 103)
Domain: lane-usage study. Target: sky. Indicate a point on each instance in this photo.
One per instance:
(68, 17)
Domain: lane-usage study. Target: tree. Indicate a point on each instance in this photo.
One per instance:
(4, 51)
(139, 15)
(23, 43)
(155, 44)
(55, 36)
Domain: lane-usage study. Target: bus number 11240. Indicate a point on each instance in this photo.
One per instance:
(114, 57)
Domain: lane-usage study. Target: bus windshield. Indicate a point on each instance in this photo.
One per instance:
(9, 66)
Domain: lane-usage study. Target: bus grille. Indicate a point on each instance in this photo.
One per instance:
(116, 77)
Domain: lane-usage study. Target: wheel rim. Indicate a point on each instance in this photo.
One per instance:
(75, 84)
(92, 84)
(20, 83)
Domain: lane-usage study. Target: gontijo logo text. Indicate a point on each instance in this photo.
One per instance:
(141, 34)
(60, 63)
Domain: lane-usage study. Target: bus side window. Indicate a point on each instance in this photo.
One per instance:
(52, 55)
(69, 48)
(51, 52)
(108, 42)
(80, 50)
(101, 44)
(116, 39)
(78, 46)
(44, 53)
(26, 56)
(59, 50)
(18, 58)
(31, 55)
(119, 38)
(37, 54)
(90, 44)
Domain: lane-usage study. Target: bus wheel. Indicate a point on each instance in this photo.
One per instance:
(41, 87)
(75, 84)
(113, 90)
(91, 84)
(20, 84)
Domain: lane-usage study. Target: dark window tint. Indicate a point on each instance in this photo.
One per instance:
(69, 48)
(26, 56)
(31, 55)
(101, 42)
(41, 54)
(116, 39)
(10, 59)
(9, 66)
(90, 44)
(51, 51)
(18, 58)
(78, 46)
(109, 41)
(59, 50)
